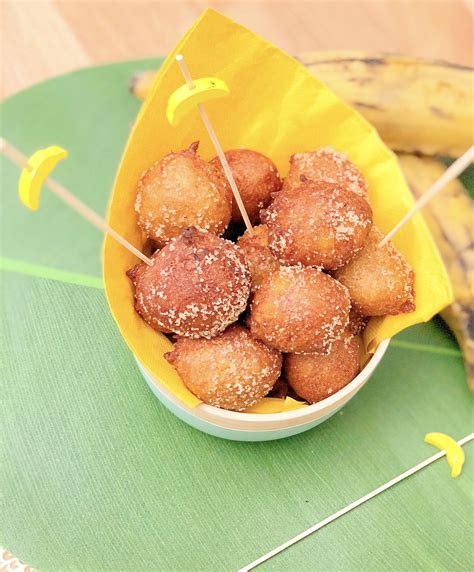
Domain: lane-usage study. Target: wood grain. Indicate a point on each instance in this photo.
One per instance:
(44, 38)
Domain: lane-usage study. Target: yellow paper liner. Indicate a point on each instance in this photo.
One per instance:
(276, 107)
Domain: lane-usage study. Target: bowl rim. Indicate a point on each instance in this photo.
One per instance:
(311, 410)
(330, 401)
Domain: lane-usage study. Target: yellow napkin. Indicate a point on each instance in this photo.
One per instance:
(276, 107)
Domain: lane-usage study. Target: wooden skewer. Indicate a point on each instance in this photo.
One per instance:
(220, 153)
(351, 506)
(66, 196)
(450, 174)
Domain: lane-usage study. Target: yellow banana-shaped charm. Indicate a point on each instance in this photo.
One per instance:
(184, 99)
(33, 175)
(454, 452)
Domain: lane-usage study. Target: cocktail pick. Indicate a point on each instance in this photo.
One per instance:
(35, 174)
(454, 453)
(195, 93)
(450, 174)
(353, 505)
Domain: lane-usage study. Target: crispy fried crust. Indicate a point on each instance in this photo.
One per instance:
(326, 165)
(258, 255)
(198, 285)
(315, 377)
(299, 309)
(256, 177)
(231, 371)
(317, 224)
(357, 322)
(379, 279)
(179, 191)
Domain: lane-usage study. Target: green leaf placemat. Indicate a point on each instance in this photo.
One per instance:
(98, 475)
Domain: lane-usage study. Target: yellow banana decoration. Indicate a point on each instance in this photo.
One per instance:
(32, 177)
(183, 99)
(454, 452)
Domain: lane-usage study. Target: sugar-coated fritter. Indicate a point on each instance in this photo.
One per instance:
(198, 285)
(299, 309)
(317, 224)
(379, 279)
(357, 322)
(315, 377)
(256, 178)
(179, 191)
(232, 370)
(258, 255)
(326, 165)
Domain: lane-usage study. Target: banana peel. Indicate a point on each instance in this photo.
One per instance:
(417, 106)
(421, 109)
(450, 217)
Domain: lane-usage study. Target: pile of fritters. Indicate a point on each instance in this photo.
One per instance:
(280, 308)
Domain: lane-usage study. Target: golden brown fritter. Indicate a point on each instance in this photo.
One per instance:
(299, 309)
(326, 165)
(256, 178)
(357, 322)
(315, 377)
(179, 191)
(379, 279)
(258, 255)
(198, 285)
(231, 371)
(317, 224)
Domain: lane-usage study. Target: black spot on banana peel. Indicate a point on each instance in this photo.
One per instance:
(331, 57)
(363, 105)
(440, 113)
(361, 80)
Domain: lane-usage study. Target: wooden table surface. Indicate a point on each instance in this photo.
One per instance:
(44, 38)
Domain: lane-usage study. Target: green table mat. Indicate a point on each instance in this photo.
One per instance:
(98, 475)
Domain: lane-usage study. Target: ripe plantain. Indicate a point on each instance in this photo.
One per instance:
(450, 217)
(420, 107)
(417, 106)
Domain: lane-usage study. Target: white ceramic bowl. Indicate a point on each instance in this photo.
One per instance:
(258, 426)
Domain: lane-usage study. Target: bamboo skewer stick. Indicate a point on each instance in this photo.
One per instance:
(450, 174)
(212, 134)
(66, 196)
(351, 506)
